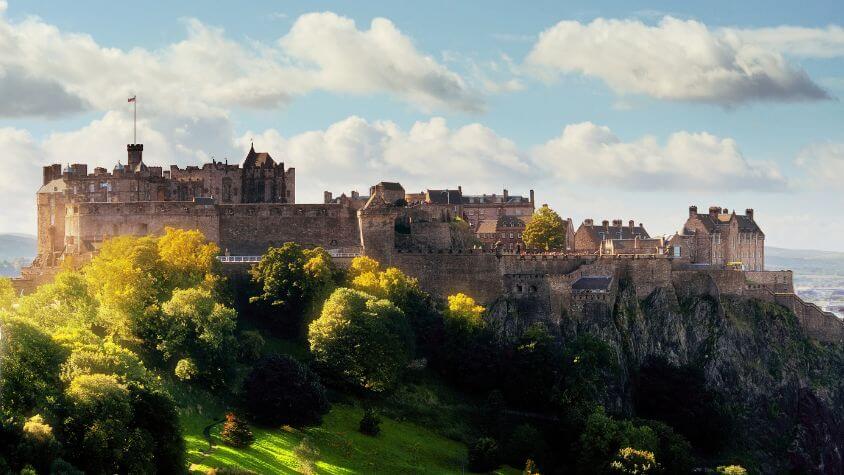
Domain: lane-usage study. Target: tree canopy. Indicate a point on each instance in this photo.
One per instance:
(546, 230)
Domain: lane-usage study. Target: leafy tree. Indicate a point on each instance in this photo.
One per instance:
(64, 303)
(250, 346)
(186, 369)
(462, 310)
(31, 362)
(40, 446)
(105, 358)
(7, 293)
(187, 258)
(154, 415)
(484, 455)
(634, 461)
(370, 423)
(290, 279)
(235, 432)
(604, 436)
(362, 340)
(546, 230)
(280, 390)
(192, 324)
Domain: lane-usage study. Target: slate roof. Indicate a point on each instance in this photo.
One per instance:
(593, 283)
(390, 185)
(616, 232)
(510, 222)
(442, 197)
(745, 224)
(258, 159)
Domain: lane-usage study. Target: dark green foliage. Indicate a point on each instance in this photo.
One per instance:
(679, 397)
(588, 365)
(534, 367)
(525, 443)
(30, 363)
(604, 436)
(280, 390)
(484, 455)
(154, 412)
(250, 346)
(235, 432)
(370, 423)
(62, 467)
(289, 279)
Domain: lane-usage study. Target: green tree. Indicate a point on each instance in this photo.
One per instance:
(280, 390)
(546, 230)
(290, 279)
(603, 437)
(635, 462)
(361, 339)
(64, 303)
(464, 311)
(31, 362)
(105, 358)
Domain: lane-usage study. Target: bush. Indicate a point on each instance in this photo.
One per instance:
(370, 423)
(280, 390)
(306, 455)
(633, 461)
(186, 369)
(484, 455)
(235, 432)
(62, 467)
(525, 443)
(250, 346)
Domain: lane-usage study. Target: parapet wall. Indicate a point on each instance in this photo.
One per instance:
(818, 324)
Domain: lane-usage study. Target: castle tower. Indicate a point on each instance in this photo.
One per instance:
(135, 152)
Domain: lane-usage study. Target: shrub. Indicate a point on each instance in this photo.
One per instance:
(235, 432)
(524, 443)
(633, 461)
(370, 423)
(186, 369)
(306, 455)
(280, 390)
(731, 470)
(484, 455)
(62, 467)
(250, 345)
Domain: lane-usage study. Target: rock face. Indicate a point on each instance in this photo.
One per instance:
(782, 392)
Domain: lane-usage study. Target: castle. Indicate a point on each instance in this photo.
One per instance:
(450, 241)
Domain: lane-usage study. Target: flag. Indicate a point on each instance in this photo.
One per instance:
(132, 99)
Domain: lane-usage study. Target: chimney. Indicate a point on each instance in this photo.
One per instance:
(632, 224)
(355, 195)
(52, 172)
(616, 223)
(692, 211)
(135, 152)
(714, 211)
(531, 196)
(588, 222)
(605, 223)
(749, 213)
(327, 196)
(506, 194)
(460, 189)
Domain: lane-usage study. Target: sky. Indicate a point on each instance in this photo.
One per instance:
(609, 110)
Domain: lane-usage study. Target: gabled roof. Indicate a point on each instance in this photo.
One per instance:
(258, 159)
(510, 222)
(390, 185)
(747, 225)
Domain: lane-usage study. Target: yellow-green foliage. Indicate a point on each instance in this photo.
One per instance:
(545, 230)
(63, 305)
(7, 293)
(634, 461)
(464, 309)
(38, 430)
(732, 470)
(105, 358)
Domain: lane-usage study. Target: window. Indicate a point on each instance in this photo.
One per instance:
(511, 235)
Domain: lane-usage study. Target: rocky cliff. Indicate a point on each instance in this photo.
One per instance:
(780, 394)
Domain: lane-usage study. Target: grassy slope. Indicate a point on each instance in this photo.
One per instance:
(401, 447)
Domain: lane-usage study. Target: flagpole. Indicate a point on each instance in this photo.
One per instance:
(135, 120)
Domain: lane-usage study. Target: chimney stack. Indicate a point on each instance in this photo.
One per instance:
(632, 224)
(531, 197)
(692, 211)
(506, 194)
(616, 223)
(327, 196)
(605, 223)
(460, 189)
(135, 152)
(355, 195)
(588, 222)
(749, 213)
(714, 211)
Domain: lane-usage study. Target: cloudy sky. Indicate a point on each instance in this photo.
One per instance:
(627, 110)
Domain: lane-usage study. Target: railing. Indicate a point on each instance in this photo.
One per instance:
(238, 259)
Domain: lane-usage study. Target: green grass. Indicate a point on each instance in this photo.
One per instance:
(402, 447)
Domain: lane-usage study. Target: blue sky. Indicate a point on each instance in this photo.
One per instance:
(436, 94)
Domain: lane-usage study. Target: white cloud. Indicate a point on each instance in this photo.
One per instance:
(674, 60)
(588, 153)
(208, 72)
(21, 160)
(355, 153)
(795, 40)
(824, 164)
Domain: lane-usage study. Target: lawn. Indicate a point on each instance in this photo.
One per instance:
(402, 447)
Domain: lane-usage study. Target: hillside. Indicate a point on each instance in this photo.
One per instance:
(14, 246)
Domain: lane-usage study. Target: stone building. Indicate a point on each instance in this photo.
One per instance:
(507, 231)
(477, 208)
(591, 237)
(721, 238)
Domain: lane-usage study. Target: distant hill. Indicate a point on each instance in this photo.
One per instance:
(16, 246)
(805, 261)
